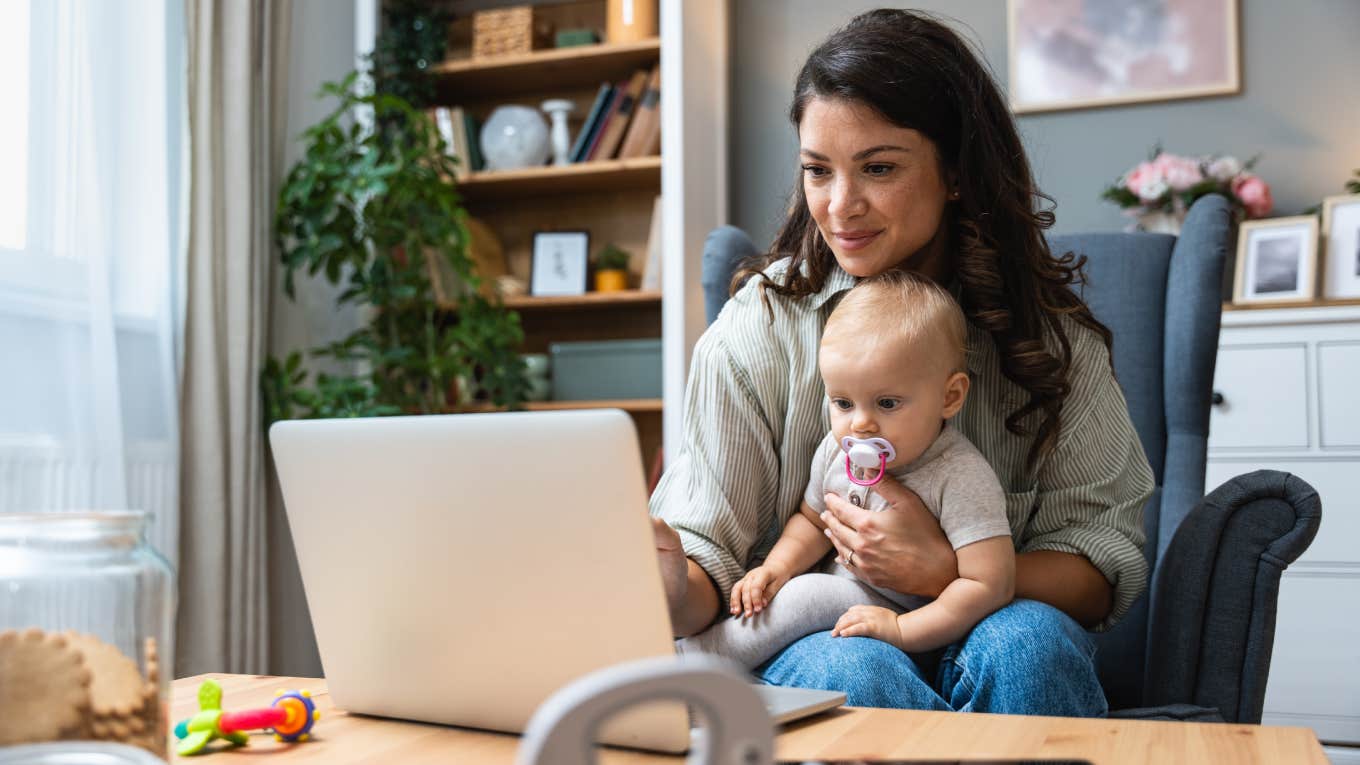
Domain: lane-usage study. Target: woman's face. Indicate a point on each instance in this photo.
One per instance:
(876, 190)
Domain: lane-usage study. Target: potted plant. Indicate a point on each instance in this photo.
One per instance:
(611, 269)
(372, 206)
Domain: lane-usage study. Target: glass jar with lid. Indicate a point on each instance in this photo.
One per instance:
(86, 628)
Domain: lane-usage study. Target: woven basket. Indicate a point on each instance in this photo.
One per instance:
(507, 31)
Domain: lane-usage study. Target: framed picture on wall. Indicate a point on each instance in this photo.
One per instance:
(560, 263)
(1074, 54)
(1341, 247)
(1275, 260)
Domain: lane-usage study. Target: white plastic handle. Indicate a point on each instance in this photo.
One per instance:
(735, 726)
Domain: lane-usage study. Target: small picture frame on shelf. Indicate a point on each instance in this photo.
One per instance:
(560, 263)
(1341, 246)
(1276, 260)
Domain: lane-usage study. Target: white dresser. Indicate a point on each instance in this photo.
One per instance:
(1287, 393)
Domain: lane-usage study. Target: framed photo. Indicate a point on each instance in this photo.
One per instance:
(560, 263)
(1275, 260)
(1341, 247)
(1074, 54)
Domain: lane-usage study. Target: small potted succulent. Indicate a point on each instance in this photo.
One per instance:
(611, 269)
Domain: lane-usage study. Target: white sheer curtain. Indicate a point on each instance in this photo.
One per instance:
(91, 136)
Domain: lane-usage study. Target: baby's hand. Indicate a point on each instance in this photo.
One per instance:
(869, 621)
(754, 591)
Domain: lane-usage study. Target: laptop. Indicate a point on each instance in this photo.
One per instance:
(459, 569)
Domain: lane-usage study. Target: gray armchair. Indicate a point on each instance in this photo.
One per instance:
(1198, 645)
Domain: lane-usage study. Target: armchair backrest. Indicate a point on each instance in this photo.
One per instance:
(1160, 297)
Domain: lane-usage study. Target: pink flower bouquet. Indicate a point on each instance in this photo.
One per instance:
(1169, 184)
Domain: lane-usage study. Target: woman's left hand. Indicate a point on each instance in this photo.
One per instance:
(901, 548)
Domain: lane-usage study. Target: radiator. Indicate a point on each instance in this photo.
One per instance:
(44, 476)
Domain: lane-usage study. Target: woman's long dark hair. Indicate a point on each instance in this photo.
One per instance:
(919, 74)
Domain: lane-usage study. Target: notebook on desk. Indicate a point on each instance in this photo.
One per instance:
(460, 569)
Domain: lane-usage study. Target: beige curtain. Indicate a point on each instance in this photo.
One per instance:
(237, 54)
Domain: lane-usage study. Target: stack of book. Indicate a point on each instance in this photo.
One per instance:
(624, 121)
(458, 128)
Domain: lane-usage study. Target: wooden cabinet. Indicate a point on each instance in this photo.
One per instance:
(1289, 381)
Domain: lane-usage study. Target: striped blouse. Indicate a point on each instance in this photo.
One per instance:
(755, 410)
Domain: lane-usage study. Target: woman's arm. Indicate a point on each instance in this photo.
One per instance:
(1069, 583)
(691, 595)
(720, 492)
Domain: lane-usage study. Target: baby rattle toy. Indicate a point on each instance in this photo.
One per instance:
(867, 453)
(291, 718)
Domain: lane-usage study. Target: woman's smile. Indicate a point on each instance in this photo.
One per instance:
(856, 240)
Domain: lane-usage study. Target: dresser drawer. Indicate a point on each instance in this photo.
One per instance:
(1313, 671)
(1335, 481)
(1265, 397)
(1339, 394)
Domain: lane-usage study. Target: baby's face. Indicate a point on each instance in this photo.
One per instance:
(900, 394)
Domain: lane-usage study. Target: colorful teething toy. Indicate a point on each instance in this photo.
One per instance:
(291, 718)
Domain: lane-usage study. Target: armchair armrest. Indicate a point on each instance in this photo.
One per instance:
(1212, 623)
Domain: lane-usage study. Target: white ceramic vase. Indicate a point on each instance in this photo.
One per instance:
(515, 137)
(557, 110)
(1161, 223)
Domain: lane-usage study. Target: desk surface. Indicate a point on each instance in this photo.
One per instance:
(342, 738)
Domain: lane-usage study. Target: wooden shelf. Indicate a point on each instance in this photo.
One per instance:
(586, 301)
(633, 405)
(603, 175)
(1318, 303)
(505, 77)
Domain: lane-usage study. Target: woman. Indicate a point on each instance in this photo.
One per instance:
(910, 159)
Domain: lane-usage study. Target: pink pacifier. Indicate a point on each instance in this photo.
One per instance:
(867, 453)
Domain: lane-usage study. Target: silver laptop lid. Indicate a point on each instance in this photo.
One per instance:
(461, 568)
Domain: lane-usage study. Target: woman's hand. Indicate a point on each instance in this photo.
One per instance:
(754, 591)
(901, 548)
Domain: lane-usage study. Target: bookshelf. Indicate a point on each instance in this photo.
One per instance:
(612, 198)
(528, 303)
(642, 174)
(546, 70)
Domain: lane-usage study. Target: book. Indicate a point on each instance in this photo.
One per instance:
(651, 269)
(644, 135)
(472, 130)
(460, 143)
(450, 129)
(619, 116)
(604, 122)
(578, 148)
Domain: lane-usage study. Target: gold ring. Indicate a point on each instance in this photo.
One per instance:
(850, 559)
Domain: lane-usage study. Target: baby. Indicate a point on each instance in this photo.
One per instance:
(892, 359)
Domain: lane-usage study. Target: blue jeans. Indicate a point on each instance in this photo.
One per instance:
(1027, 658)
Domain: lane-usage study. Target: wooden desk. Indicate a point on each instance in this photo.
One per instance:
(848, 732)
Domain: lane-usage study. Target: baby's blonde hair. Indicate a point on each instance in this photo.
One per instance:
(902, 307)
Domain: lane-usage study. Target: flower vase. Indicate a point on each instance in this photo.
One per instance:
(1161, 223)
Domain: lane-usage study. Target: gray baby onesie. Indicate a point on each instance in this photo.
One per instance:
(957, 486)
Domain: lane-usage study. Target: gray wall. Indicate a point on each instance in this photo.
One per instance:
(1298, 106)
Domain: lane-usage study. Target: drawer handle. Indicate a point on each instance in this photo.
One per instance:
(1218, 398)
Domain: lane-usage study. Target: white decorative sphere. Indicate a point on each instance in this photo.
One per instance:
(515, 137)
